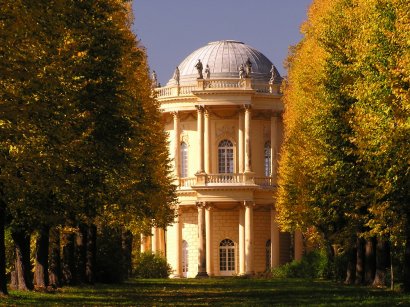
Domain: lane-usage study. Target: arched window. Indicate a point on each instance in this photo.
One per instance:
(225, 157)
(268, 159)
(227, 257)
(268, 252)
(184, 160)
(184, 258)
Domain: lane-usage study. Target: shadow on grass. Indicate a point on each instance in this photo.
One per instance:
(212, 291)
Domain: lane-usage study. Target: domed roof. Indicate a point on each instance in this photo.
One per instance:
(224, 59)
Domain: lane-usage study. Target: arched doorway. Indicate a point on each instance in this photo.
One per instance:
(184, 258)
(227, 257)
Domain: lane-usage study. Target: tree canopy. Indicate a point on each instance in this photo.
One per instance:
(81, 139)
(345, 162)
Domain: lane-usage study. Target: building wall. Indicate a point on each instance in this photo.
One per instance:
(220, 129)
(261, 226)
(171, 244)
(189, 219)
(225, 226)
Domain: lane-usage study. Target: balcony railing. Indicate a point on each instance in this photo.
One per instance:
(234, 179)
(217, 84)
(187, 183)
(224, 178)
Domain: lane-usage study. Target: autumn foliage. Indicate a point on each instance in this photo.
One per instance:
(81, 142)
(345, 164)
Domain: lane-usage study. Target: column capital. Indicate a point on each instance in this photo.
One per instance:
(248, 203)
(209, 206)
(247, 107)
(200, 204)
(206, 111)
(175, 114)
(200, 108)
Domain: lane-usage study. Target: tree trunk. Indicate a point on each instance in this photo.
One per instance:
(370, 260)
(127, 253)
(69, 259)
(330, 257)
(382, 262)
(41, 267)
(55, 258)
(3, 279)
(360, 261)
(81, 252)
(351, 266)
(91, 253)
(22, 264)
(406, 275)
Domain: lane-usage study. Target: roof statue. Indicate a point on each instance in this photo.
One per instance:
(242, 72)
(199, 67)
(248, 66)
(154, 79)
(176, 75)
(274, 74)
(207, 72)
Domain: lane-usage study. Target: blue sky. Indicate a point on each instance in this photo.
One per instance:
(171, 30)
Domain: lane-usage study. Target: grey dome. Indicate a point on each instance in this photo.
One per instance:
(224, 59)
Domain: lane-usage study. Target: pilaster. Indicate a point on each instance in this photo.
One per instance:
(209, 238)
(249, 270)
(201, 241)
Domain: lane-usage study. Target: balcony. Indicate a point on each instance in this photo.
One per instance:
(217, 85)
(220, 180)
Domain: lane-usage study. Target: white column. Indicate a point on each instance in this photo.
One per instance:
(208, 229)
(249, 238)
(298, 245)
(242, 268)
(178, 236)
(248, 165)
(177, 144)
(200, 130)
(143, 244)
(154, 240)
(201, 241)
(161, 240)
(207, 134)
(240, 142)
(274, 241)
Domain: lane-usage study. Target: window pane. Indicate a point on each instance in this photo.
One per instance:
(222, 260)
(267, 159)
(225, 157)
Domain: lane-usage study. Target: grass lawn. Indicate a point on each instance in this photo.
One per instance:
(214, 291)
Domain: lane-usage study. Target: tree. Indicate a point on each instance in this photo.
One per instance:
(81, 138)
(348, 126)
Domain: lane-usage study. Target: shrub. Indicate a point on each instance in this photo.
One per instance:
(152, 266)
(312, 265)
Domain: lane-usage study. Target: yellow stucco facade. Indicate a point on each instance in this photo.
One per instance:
(225, 134)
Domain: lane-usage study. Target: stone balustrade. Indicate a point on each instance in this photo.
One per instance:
(217, 84)
(186, 182)
(224, 178)
(227, 179)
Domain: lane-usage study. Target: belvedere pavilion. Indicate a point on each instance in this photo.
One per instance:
(223, 112)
